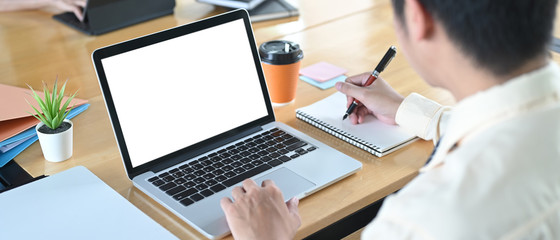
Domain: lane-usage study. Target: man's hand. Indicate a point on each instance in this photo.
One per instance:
(260, 212)
(378, 99)
(74, 6)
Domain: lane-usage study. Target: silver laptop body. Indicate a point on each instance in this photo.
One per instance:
(192, 117)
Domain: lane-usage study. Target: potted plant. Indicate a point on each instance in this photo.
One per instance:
(54, 130)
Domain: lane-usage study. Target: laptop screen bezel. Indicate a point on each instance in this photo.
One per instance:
(189, 151)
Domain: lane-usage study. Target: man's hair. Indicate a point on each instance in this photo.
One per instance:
(500, 35)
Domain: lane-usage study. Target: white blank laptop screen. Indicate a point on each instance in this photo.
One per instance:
(184, 90)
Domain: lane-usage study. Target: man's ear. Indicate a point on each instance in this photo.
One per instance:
(419, 22)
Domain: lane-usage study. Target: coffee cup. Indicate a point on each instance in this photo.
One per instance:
(281, 62)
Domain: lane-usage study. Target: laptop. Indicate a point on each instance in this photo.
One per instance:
(101, 16)
(73, 204)
(192, 118)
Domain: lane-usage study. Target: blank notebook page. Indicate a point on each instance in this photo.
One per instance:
(380, 137)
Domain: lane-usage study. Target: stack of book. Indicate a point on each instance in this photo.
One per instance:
(17, 125)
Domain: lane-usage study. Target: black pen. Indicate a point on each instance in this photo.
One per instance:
(389, 55)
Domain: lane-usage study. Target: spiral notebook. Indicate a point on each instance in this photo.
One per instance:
(372, 135)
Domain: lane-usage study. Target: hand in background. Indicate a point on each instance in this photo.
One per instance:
(378, 99)
(64, 5)
(260, 212)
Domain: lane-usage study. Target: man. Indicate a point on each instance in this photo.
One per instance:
(494, 173)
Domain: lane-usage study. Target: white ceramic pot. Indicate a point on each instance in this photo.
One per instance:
(56, 147)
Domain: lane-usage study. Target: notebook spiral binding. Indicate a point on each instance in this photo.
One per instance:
(345, 136)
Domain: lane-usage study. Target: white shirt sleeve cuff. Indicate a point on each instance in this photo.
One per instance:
(420, 116)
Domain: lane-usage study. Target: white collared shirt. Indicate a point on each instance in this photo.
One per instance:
(496, 173)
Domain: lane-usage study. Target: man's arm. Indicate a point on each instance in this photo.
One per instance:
(64, 5)
(417, 114)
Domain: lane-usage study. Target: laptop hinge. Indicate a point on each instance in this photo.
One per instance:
(178, 159)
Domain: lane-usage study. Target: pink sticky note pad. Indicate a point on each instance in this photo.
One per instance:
(322, 71)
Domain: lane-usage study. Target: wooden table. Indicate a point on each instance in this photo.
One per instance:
(353, 34)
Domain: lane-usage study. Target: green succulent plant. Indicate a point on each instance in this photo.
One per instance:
(53, 110)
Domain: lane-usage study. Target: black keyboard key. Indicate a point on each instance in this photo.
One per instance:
(217, 165)
(197, 166)
(207, 193)
(199, 173)
(190, 177)
(230, 147)
(254, 157)
(209, 176)
(184, 194)
(245, 153)
(242, 148)
(167, 186)
(262, 153)
(258, 162)
(237, 164)
(203, 158)
(311, 149)
(291, 141)
(253, 150)
(184, 167)
(244, 161)
(216, 159)
(206, 162)
(180, 181)
(248, 166)
(227, 161)
(218, 187)
(178, 174)
(227, 168)
(234, 151)
(278, 133)
(225, 155)
(153, 179)
(168, 178)
(212, 154)
(270, 149)
(158, 183)
(236, 157)
(301, 151)
(279, 146)
(174, 170)
(239, 170)
(188, 170)
(197, 197)
(221, 178)
(218, 172)
(189, 184)
(296, 145)
(175, 190)
(275, 155)
(284, 159)
(266, 158)
(201, 187)
(199, 180)
(209, 169)
(275, 162)
(239, 144)
(245, 175)
(295, 155)
(222, 151)
(186, 202)
(250, 144)
(283, 151)
(211, 182)
(229, 174)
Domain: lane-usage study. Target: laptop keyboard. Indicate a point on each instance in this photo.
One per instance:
(226, 167)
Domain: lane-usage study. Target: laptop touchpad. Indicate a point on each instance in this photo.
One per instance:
(290, 183)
